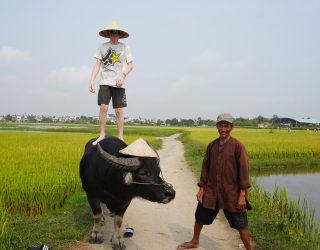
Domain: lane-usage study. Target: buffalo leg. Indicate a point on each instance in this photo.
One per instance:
(117, 240)
(96, 235)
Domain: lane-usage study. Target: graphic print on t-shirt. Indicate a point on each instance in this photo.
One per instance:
(110, 58)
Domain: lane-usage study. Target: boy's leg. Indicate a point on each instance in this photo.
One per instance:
(245, 237)
(119, 101)
(119, 119)
(102, 122)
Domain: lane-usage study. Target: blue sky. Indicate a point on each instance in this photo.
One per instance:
(191, 58)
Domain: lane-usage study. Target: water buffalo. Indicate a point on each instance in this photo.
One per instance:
(111, 174)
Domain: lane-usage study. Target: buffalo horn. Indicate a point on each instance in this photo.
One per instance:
(127, 164)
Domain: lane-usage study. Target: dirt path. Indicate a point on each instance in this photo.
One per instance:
(163, 227)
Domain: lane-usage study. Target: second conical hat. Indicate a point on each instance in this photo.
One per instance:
(139, 148)
(105, 32)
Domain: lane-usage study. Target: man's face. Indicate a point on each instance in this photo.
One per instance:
(224, 129)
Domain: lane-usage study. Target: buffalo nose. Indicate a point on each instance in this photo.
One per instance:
(170, 192)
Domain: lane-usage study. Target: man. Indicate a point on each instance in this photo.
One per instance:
(223, 184)
(115, 62)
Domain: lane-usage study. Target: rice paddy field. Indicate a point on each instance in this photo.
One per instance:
(267, 149)
(40, 170)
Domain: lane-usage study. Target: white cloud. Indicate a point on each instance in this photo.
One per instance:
(13, 55)
(187, 82)
(71, 76)
(205, 57)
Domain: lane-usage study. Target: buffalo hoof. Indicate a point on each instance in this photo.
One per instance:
(117, 244)
(96, 238)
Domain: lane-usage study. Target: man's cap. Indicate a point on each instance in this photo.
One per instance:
(105, 32)
(225, 117)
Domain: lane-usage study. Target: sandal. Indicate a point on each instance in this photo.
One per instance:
(128, 232)
(42, 247)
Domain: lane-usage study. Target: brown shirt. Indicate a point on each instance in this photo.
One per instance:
(225, 171)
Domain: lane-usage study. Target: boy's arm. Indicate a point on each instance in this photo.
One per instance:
(120, 78)
(95, 71)
(128, 69)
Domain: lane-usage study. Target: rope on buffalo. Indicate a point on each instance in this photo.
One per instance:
(166, 185)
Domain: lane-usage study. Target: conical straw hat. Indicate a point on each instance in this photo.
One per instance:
(139, 148)
(105, 32)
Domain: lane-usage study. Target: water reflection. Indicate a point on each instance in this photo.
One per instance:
(284, 171)
(299, 183)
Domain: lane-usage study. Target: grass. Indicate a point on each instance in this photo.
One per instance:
(63, 228)
(279, 223)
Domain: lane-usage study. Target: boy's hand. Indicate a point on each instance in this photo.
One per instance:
(119, 80)
(91, 87)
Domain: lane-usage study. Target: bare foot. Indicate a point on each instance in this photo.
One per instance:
(100, 138)
(187, 245)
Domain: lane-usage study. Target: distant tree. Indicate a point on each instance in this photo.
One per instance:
(187, 122)
(31, 118)
(260, 119)
(160, 123)
(208, 122)
(47, 119)
(245, 122)
(8, 118)
(172, 122)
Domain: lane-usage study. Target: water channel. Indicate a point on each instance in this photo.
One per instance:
(303, 184)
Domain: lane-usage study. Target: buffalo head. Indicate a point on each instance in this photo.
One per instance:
(141, 172)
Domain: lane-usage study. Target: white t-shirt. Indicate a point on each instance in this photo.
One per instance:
(114, 60)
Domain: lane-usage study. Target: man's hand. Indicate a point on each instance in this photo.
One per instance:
(200, 195)
(242, 200)
(119, 80)
(91, 87)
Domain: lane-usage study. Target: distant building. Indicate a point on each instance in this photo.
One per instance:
(291, 122)
(265, 125)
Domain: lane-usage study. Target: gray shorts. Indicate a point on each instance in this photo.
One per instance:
(118, 96)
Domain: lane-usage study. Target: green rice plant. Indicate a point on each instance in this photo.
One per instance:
(293, 219)
(266, 150)
(39, 171)
(4, 230)
(89, 128)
